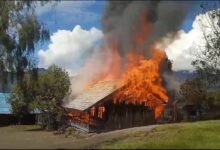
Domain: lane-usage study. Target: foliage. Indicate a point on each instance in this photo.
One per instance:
(198, 93)
(193, 94)
(45, 95)
(22, 95)
(214, 97)
(20, 31)
(207, 63)
(193, 91)
(53, 86)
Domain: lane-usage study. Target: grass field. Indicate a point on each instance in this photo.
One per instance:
(203, 134)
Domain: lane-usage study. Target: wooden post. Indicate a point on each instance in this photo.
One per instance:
(89, 124)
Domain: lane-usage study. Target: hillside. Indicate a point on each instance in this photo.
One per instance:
(204, 134)
(184, 74)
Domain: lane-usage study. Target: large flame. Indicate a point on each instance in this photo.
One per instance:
(144, 84)
(141, 77)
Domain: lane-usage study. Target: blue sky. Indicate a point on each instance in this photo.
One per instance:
(67, 14)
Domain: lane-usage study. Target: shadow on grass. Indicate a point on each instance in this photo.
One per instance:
(36, 129)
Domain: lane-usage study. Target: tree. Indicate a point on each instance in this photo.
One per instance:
(45, 94)
(53, 86)
(194, 92)
(20, 31)
(23, 94)
(207, 63)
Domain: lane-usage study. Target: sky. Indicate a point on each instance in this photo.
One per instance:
(67, 14)
(75, 28)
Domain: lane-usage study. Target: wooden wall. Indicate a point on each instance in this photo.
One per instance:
(119, 116)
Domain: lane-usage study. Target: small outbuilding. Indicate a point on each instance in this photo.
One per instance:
(6, 117)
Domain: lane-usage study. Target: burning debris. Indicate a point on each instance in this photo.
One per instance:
(129, 55)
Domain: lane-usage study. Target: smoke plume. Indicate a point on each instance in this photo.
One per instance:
(121, 20)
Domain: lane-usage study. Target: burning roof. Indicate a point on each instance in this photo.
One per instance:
(93, 95)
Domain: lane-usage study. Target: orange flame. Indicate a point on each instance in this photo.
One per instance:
(88, 117)
(144, 83)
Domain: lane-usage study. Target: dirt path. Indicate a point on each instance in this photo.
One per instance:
(23, 137)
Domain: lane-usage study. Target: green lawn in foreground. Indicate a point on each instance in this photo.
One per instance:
(203, 134)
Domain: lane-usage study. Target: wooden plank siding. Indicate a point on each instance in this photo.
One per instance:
(118, 116)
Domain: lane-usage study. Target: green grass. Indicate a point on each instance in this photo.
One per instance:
(203, 134)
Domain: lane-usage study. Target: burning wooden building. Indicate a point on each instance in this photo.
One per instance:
(95, 110)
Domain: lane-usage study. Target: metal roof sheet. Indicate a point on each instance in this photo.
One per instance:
(5, 107)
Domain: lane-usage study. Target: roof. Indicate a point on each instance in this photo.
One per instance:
(5, 107)
(93, 95)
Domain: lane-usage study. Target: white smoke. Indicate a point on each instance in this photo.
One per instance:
(187, 45)
(77, 52)
(68, 49)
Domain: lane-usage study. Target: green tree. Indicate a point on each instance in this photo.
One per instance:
(214, 98)
(193, 90)
(23, 94)
(20, 31)
(53, 86)
(46, 94)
